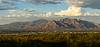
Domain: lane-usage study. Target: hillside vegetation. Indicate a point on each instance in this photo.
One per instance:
(51, 39)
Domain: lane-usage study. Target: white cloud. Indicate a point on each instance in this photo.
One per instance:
(85, 3)
(72, 11)
(75, 8)
(76, 11)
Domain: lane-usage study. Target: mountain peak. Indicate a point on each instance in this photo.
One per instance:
(51, 25)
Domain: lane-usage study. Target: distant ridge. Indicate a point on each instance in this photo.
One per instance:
(51, 25)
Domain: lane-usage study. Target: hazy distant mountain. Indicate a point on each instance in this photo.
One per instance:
(17, 26)
(50, 25)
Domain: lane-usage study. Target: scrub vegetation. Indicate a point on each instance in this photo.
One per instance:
(50, 39)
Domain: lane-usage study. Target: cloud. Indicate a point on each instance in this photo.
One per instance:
(23, 16)
(27, 13)
(7, 4)
(76, 12)
(11, 4)
(42, 1)
(72, 11)
(75, 8)
(85, 3)
(18, 16)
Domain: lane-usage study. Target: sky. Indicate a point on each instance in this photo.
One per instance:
(24, 10)
(42, 7)
(56, 6)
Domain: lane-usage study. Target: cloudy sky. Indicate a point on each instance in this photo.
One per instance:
(57, 6)
(18, 8)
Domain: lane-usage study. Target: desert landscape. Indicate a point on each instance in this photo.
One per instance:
(49, 23)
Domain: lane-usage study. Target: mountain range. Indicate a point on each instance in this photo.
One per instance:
(51, 25)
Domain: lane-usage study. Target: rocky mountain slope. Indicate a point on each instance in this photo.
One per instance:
(50, 25)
